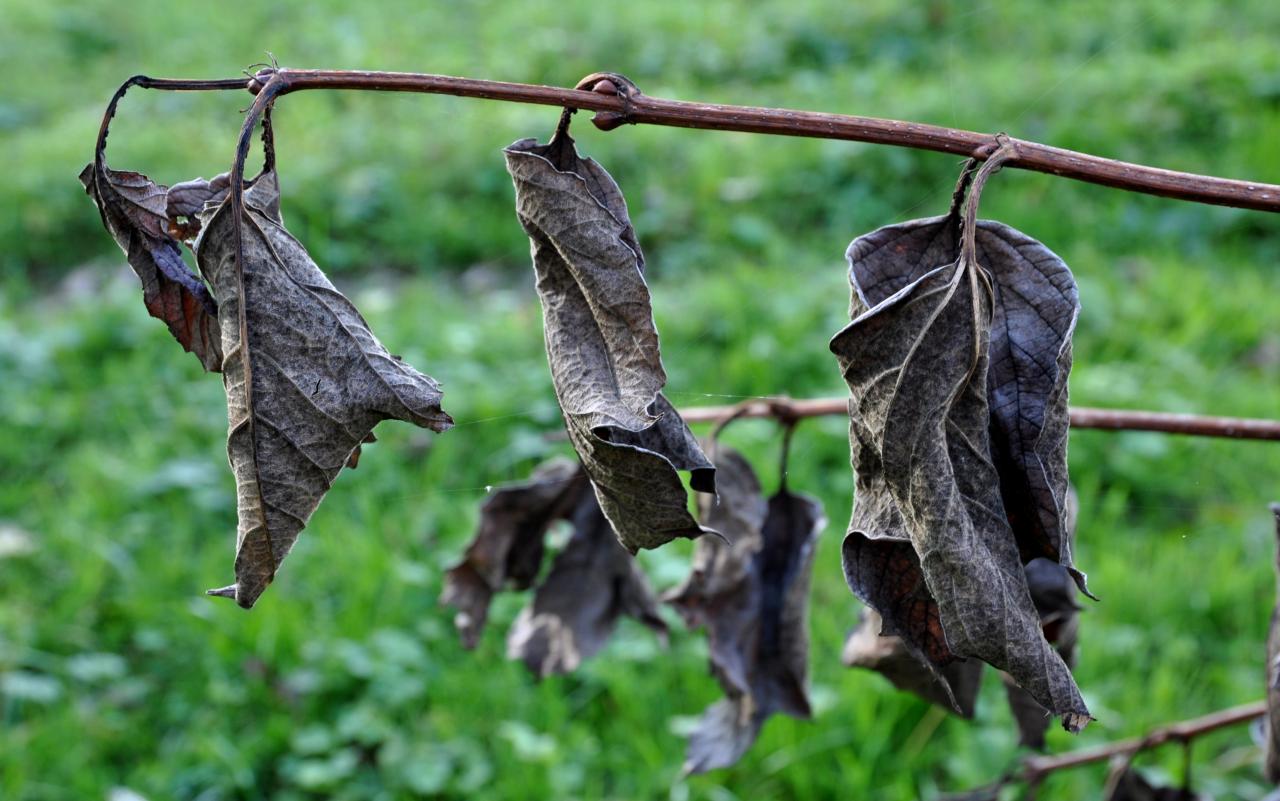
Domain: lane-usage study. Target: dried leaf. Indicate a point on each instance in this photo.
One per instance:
(593, 581)
(751, 593)
(930, 546)
(1053, 591)
(1272, 763)
(602, 345)
(956, 689)
(1128, 784)
(508, 545)
(133, 209)
(306, 380)
(1034, 309)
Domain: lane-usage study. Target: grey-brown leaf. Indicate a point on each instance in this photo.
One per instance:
(592, 583)
(509, 543)
(916, 365)
(305, 378)
(602, 344)
(751, 593)
(133, 209)
(1035, 306)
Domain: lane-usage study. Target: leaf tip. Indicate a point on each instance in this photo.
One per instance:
(1075, 722)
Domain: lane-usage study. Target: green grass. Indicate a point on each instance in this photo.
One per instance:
(347, 681)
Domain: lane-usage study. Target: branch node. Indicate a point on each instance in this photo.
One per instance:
(612, 83)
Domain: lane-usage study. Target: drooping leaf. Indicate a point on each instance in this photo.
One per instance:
(306, 380)
(1053, 591)
(751, 594)
(1034, 309)
(1128, 784)
(955, 689)
(930, 546)
(508, 545)
(602, 345)
(133, 209)
(593, 581)
(1272, 762)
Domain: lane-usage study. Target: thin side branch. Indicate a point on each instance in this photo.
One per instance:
(626, 104)
(1034, 769)
(1081, 417)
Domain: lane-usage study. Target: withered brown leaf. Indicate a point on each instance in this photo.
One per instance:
(593, 581)
(134, 211)
(954, 686)
(751, 594)
(930, 546)
(1034, 309)
(602, 344)
(1272, 762)
(508, 545)
(305, 378)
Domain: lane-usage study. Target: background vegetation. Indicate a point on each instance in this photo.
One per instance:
(116, 508)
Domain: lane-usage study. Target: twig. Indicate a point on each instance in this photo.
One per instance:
(1081, 417)
(1035, 768)
(631, 106)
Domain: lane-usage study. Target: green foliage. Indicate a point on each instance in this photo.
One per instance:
(348, 681)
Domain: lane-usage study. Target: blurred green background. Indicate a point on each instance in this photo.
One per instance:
(346, 681)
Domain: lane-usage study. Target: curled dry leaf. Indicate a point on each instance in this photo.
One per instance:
(751, 593)
(956, 688)
(306, 380)
(509, 543)
(602, 344)
(930, 546)
(1052, 591)
(134, 211)
(593, 581)
(1034, 306)
(1272, 763)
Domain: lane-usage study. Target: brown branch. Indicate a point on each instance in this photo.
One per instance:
(628, 105)
(1081, 417)
(1034, 769)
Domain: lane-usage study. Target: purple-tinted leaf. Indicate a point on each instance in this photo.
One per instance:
(751, 594)
(593, 582)
(133, 209)
(509, 543)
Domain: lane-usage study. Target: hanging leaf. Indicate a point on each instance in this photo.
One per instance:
(508, 546)
(956, 689)
(1034, 309)
(306, 380)
(1272, 764)
(1053, 591)
(1128, 784)
(930, 546)
(133, 209)
(751, 593)
(593, 581)
(602, 345)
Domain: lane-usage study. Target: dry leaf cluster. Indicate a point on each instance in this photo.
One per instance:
(957, 359)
